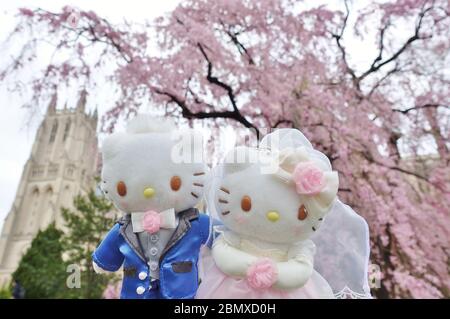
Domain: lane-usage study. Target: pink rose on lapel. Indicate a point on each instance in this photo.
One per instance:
(151, 222)
(309, 178)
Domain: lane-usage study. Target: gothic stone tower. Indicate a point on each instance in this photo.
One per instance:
(62, 164)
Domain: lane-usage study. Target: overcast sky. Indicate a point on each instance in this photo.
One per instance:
(17, 136)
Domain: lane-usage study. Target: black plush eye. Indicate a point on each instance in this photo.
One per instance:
(175, 183)
(302, 213)
(246, 203)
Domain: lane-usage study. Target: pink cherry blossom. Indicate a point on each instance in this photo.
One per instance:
(26, 12)
(263, 64)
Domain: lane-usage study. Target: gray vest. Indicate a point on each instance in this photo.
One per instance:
(153, 245)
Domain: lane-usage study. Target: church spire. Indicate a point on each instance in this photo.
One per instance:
(81, 105)
(62, 164)
(95, 116)
(52, 105)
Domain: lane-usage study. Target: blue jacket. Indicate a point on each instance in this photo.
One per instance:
(178, 263)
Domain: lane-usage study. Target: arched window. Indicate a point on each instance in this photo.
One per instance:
(53, 132)
(35, 191)
(66, 130)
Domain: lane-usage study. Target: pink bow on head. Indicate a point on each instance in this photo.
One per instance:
(309, 179)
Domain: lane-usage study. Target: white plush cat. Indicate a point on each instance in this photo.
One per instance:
(271, 200)
(147, 160)
(155, 175)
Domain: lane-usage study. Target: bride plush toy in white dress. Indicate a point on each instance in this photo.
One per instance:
(272, 200)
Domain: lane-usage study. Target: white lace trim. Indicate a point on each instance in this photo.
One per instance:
(347, 293)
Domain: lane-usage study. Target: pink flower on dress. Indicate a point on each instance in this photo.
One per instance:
(151, 222)
(262, 274)
(309, 178)
(112, 291)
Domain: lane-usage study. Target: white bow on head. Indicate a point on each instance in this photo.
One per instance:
(312, 177)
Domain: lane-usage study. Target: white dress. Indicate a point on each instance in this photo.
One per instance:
(217, 285)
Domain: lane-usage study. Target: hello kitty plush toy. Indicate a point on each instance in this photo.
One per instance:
(271, 201)
(148, 177)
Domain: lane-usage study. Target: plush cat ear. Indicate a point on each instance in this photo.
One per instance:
(112, 145)
(238, 159)
(285, 138)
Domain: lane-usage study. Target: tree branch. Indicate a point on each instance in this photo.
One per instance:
(341, 48)
(376, 66)
(279, 122)
(380, 46)
(417, 107)
(215, 81)
(241, 48)
(380, 81)
(187, 113)
(395, 168)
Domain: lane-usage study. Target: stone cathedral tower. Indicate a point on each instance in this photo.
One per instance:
(62, 164)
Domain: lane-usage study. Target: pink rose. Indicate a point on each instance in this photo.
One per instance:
(262, 274)
(151, 222)
(309, 178)
(112, 291)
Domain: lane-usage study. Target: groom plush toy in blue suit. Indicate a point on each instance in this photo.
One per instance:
(155, 175)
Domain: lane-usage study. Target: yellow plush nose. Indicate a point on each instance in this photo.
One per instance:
(273, 216)
(149, 192)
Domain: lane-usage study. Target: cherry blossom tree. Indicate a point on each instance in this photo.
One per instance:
(266, 64)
